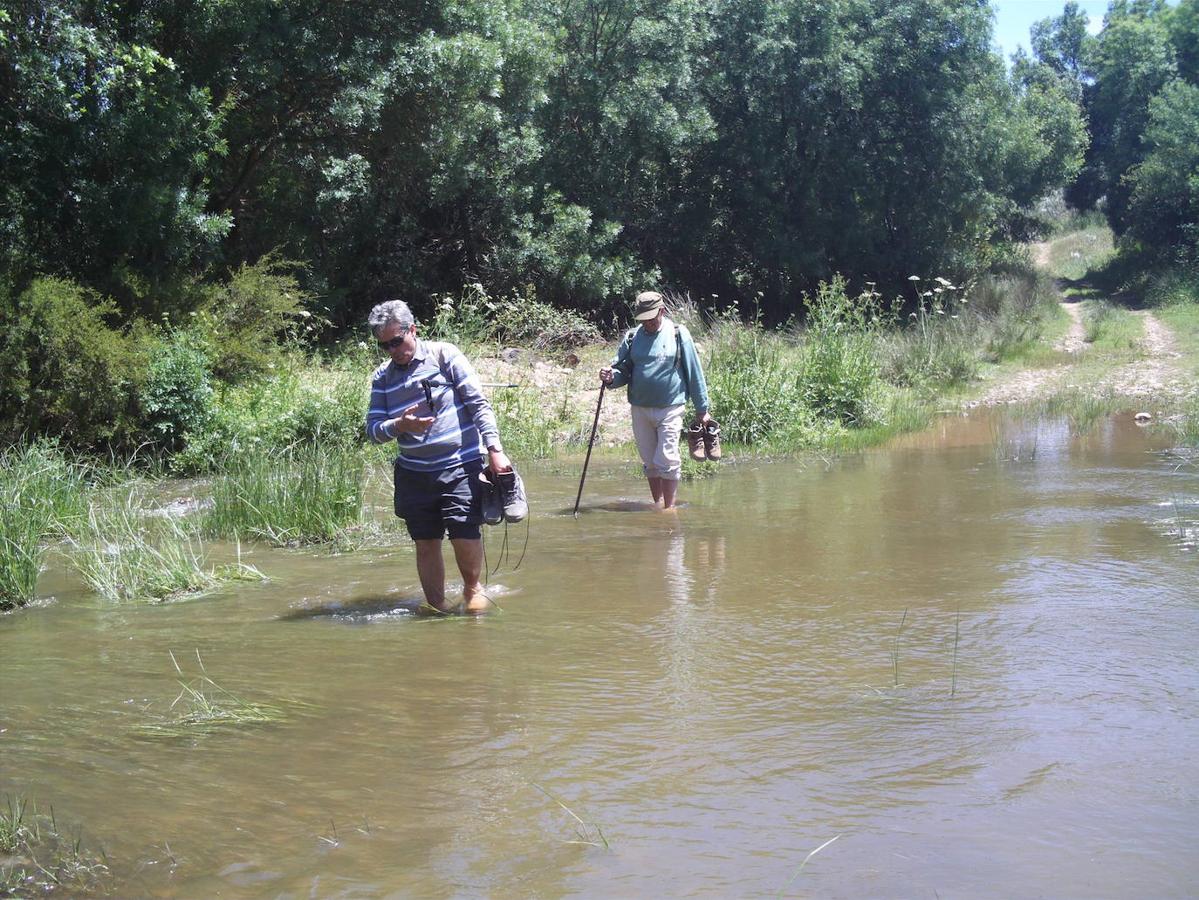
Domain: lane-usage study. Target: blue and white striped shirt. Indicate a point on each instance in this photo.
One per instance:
(464, 420)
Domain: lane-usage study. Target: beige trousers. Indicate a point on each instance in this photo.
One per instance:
(656, 430)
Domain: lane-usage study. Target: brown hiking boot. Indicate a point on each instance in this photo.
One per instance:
(712, 440)
(696, 443)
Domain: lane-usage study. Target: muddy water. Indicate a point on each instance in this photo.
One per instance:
(969, 658)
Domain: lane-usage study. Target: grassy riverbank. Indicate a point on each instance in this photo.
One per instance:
(279, 454)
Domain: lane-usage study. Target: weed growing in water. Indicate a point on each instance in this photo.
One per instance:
(300, 495)
(1081, 408)
(588, 833)
(895, 648)
(40, 859)
(204, 706)
(1186, 424)
(127, 555)
(798, 871)
(41, 495)
(957, 633)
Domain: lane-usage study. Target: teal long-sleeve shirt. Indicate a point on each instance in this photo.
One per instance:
(660, 369)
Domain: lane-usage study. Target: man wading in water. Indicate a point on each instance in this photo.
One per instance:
(657, 360)
(428, 399)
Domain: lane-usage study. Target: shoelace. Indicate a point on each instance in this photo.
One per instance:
(504, 551)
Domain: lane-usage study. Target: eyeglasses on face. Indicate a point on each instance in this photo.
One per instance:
(395, 341)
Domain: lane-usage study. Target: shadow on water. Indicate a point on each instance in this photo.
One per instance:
(358, 610)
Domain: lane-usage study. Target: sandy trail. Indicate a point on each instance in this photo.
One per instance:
(1155, 374)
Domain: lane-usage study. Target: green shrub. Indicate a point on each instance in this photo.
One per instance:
(65, 369)
(752, 387)
(298, 404)
(244, 321)
(839, 359)
(474, 317)
(176, 399)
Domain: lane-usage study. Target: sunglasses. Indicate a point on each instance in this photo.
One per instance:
(393, 343)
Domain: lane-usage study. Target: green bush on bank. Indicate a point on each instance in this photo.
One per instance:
(299, 403)
(242, 323)
(839, 360)
(1173, 286)
(65, 368)
(177, 396)
(475, 318)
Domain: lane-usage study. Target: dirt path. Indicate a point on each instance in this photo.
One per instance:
(1156, 373)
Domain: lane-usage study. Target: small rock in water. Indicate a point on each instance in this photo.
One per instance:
(1142, 418)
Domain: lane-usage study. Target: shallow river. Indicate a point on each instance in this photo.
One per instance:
(968, 660)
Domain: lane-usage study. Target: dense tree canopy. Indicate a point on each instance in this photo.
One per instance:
(1140, 86)
(577, 148)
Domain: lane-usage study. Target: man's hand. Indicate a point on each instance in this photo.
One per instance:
(704, 418)
(497, 461)
(409, 422)
(606, 375)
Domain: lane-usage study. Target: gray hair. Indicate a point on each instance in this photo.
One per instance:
(388, 312)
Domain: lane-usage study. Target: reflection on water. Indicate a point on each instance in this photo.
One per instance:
(969, 655)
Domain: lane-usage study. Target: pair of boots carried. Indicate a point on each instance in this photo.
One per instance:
(503, 496)
(704, 441)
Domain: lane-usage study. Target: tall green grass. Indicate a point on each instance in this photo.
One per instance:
(1112, 327)
(307, 493)
(42, 494)
(528, 425)
(301, 401)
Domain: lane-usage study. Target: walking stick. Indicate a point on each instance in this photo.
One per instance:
(590, 443)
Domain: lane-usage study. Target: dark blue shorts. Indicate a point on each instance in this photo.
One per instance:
(432, 503)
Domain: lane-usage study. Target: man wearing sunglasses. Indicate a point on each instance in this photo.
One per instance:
(427, 398)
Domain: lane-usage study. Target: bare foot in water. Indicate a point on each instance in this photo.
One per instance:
(477, 602)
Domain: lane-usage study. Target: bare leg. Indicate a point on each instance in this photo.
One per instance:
(431, 569)
(468, 553)
(655, 488)
(669, 489)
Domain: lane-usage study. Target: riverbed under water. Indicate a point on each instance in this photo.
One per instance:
(968, 660)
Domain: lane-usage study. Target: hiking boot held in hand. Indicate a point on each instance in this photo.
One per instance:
(712, 440)
(695, 442)
(489, 495)
(512, 495)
